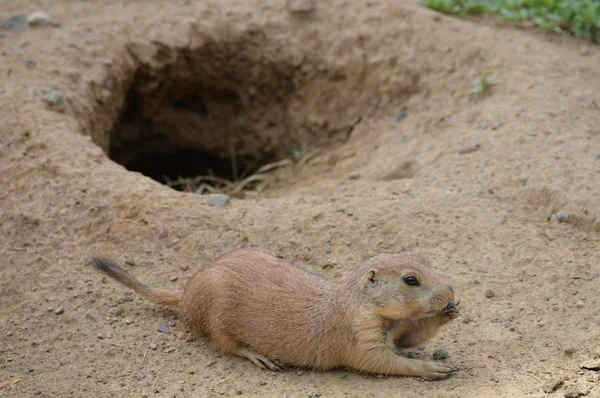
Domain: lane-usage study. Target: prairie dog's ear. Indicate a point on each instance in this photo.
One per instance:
(371, 277)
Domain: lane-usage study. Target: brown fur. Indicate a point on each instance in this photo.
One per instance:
(261, 308)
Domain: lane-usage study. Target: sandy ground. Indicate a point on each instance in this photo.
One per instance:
(205, 74)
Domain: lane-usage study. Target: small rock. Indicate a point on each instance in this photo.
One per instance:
(153, 346)
(128, 292)
(28, 62)
(440, 354)
(469, 146)
(490, 293)
(59, 310)
(162, 231)
(401, 116)
(570, 351)
(573, 392)
(100, 336)
(9, 333)
(118, 311)
(328, 249)
(164, 329)
(173, 278)
(495, 379)
(355, 218)
(562, 217)
(580, 304)
(217, 200)
(301, 5)
(238, 391)
(553, 384)
(40, 18)
(128, 321)
(591, 364)
(129, 261)
(541, 323)
(30, 370)
(55, 100)
(597, 156)
(16, 23)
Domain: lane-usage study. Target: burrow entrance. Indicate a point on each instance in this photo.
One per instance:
(225, 108)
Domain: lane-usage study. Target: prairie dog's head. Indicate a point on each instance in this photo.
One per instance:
(403, 287)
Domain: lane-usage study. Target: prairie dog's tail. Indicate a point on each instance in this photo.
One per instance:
(159, 296)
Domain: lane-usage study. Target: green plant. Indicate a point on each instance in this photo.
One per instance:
(580, 17)
(482, 84)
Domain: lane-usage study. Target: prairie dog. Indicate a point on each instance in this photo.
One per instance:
(259, 307)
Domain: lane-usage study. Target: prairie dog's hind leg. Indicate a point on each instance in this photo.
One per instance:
(259, 360)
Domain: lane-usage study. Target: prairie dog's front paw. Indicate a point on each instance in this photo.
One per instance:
(451, 311)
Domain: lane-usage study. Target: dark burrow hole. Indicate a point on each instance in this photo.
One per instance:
(227, 108)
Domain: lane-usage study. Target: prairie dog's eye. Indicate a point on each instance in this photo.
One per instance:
(411, 281)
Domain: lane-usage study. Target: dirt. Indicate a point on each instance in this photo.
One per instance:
(383, 92)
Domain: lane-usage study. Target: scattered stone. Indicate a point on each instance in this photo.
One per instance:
(469, 146)
(29, 62)
(162, 231)
(541, 323)
(301, 5)
(597, 156)
(553, 384)
(40, 18)
(16, 23)
(173, 278)
(153, 346)
(490, 293)
(401, 116)
(128, 321)
(570, 351)
(59, 310)
(128, 292)
(440, 354)
(328, 248)
(238, 391)
(55, 100)
(9, 333)
(118, 311)
(217, 200)
(591, 364)
(100, 336)
(355, 218)
(573, 391)
(495, 379)
(30, 370)
(164, 329)
(562, 217)
(129, 261)
(580, 304)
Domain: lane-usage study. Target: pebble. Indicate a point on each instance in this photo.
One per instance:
(129, 261)
(238, 391)
(401, 116)
(439, 354)
(153, 346)
(28, 62)
(173, 278)
(591, 364)
(301, 5)
(541, 323)
(562, 217)
(489, 293)
(580, 304)
(16, 23)
(59, 310)
(164, 329)
(30, 370)
(128, 321)
(40, 18)
(118, 311)
(9, 333)
(553, 384)
(217, 200)
(100, 336)
(469, 146)
(55, 100)
(597, 156)
(328, 249)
